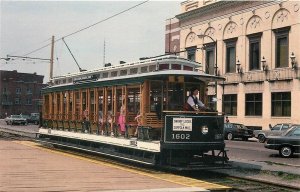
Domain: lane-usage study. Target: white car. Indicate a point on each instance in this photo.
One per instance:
(15, 119)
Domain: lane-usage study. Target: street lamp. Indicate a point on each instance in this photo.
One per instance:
(216, 63)
(239, 68)
(293, 61)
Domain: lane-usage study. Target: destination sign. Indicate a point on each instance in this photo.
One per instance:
(85, 78)
(182, 124)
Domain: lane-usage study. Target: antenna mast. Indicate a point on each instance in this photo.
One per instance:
(104, 53)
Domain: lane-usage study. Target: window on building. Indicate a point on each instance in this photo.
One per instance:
(230, 55)
(29, 91)
(210, 59)
(28, 101)
(281, 104)
(191, 53)
(282, 47)
(17, 101)
(211, 104)
(230, 104)
(18, 90)
(254, 51)
(254, 104)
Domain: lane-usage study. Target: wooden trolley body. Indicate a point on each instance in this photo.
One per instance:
(80, 111)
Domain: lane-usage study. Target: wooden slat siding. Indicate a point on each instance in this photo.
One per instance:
(96, 105)
(61, 105)
(73, 105)
(152, 120)
(72, 125)
(66, 124)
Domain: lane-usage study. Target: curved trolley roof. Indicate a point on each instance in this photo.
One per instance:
(158, 68)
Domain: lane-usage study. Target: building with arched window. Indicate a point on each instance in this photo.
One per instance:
(255, 46)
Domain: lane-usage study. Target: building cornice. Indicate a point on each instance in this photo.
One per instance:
(207, 9)
(218, 10)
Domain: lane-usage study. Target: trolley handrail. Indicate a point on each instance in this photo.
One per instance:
(194, 112)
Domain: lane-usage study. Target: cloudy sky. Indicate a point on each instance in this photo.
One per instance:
(29, 25)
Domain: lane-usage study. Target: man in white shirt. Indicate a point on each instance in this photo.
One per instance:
(194, 102)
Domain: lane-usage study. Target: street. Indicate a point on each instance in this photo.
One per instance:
(252, 150)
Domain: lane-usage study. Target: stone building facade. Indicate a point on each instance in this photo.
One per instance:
(255, 46)
(20, 93)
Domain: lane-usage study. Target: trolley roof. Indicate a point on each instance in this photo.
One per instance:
(157, 68)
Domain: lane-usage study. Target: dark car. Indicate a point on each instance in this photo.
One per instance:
(236, 130)
(287, 144)
(34, 119)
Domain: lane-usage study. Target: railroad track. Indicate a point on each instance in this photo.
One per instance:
(194, 178)
(239, 184)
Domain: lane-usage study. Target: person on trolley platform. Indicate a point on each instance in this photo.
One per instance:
(122, 117)
(193, 102)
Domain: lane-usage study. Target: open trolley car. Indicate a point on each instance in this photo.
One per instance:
(81, 111)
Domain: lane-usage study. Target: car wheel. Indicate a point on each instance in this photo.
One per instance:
(229, 136)
(261, 138)
(286, 151)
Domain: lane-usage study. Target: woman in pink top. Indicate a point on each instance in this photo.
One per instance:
(122, 118)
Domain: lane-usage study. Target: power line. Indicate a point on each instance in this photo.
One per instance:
(73, 33)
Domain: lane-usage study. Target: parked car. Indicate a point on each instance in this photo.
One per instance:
(15, 119)
(277, 129)
(33, 118)
(236, 130)
(287, 144)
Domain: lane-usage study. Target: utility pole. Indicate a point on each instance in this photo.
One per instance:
(51, 60)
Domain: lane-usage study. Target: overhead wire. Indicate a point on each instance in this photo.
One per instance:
(73, 33)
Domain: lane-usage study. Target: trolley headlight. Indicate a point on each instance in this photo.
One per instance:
(204, 129)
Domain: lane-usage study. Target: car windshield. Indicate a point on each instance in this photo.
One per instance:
(16, 116)
(287, 132)
(276, 127)
(240, 126)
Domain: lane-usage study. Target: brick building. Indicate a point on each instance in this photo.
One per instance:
(253, 44)
(20, 92)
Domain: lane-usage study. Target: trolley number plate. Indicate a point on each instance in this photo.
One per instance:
(181, 136)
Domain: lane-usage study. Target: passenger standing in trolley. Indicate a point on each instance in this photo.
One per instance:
(122, 116)
(138, 119)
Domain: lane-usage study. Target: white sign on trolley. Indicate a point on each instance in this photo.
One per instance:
(182, 124)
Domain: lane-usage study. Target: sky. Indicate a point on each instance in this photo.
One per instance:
(29, 25)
